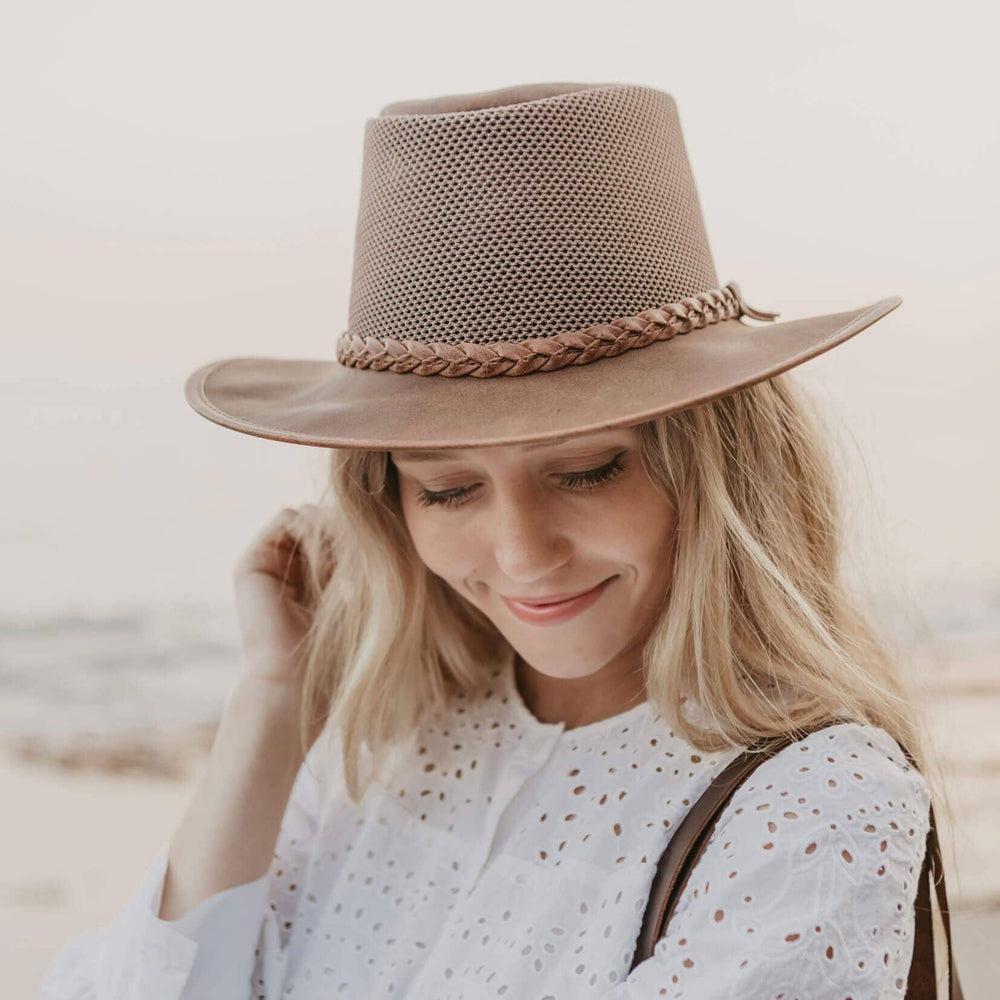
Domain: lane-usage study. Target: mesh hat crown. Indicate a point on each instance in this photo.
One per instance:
(516, 221)
(508, 245)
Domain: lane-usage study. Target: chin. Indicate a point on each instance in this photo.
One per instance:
(562, 662)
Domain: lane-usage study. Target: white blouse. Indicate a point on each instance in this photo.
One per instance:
(513, 858)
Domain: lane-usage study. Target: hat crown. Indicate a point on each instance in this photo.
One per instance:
(524, 213)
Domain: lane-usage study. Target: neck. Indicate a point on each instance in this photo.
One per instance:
(579, 701)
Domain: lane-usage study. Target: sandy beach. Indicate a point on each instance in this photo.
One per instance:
(76, 842)
(106, 717)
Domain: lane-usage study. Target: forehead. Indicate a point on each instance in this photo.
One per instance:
(568, 442)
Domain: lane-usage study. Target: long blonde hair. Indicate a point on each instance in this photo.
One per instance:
(758, 627)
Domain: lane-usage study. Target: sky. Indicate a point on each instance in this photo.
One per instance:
(179, 183)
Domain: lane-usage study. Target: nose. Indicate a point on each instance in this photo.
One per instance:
(528, 541)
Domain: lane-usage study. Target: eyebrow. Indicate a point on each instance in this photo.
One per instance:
(440, 456)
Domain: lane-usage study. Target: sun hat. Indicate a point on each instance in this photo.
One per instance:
(529, 263)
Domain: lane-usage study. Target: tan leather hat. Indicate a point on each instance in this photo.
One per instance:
(529, 263)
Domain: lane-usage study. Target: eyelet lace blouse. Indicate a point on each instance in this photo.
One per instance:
(511, 858)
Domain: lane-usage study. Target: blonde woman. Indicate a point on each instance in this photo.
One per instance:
(580, 549)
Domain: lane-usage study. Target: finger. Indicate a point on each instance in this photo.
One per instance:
(284, 520)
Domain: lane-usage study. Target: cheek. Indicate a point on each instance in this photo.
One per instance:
(640, 526)
(662, 522)
(445, 551)
(660, 533)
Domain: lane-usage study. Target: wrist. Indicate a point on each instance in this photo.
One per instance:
(273, 669)
(258, 693)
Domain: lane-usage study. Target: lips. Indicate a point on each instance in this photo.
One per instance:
(555, 608)
(550, 598)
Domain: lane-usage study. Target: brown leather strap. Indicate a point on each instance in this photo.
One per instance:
(691, 837)
(923, 974)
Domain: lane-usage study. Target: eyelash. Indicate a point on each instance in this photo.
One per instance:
(589, 479)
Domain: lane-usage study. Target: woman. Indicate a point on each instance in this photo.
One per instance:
(569, 566)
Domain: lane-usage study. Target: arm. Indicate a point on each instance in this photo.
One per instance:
(228, 833)
(807, 885)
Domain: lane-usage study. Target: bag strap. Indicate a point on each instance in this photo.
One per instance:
(691, 837)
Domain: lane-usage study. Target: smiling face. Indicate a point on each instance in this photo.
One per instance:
(512, 525)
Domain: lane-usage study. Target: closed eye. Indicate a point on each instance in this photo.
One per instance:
(588, 479)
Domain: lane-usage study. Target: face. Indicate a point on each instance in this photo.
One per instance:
(511, 526)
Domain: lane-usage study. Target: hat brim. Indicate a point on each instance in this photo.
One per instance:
(326, 404)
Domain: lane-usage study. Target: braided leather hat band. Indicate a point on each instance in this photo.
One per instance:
(542, 354)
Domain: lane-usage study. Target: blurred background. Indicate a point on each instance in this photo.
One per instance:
(179, 183)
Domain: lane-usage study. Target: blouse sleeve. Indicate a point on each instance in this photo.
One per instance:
(211, 951)
(807, 886)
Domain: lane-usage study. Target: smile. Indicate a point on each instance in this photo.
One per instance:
(549, 612)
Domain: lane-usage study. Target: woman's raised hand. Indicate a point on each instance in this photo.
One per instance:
(270, 582)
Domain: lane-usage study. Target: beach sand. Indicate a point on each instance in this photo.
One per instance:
(86, 815)
(76, 843)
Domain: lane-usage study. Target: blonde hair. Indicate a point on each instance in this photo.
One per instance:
(758, 627)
